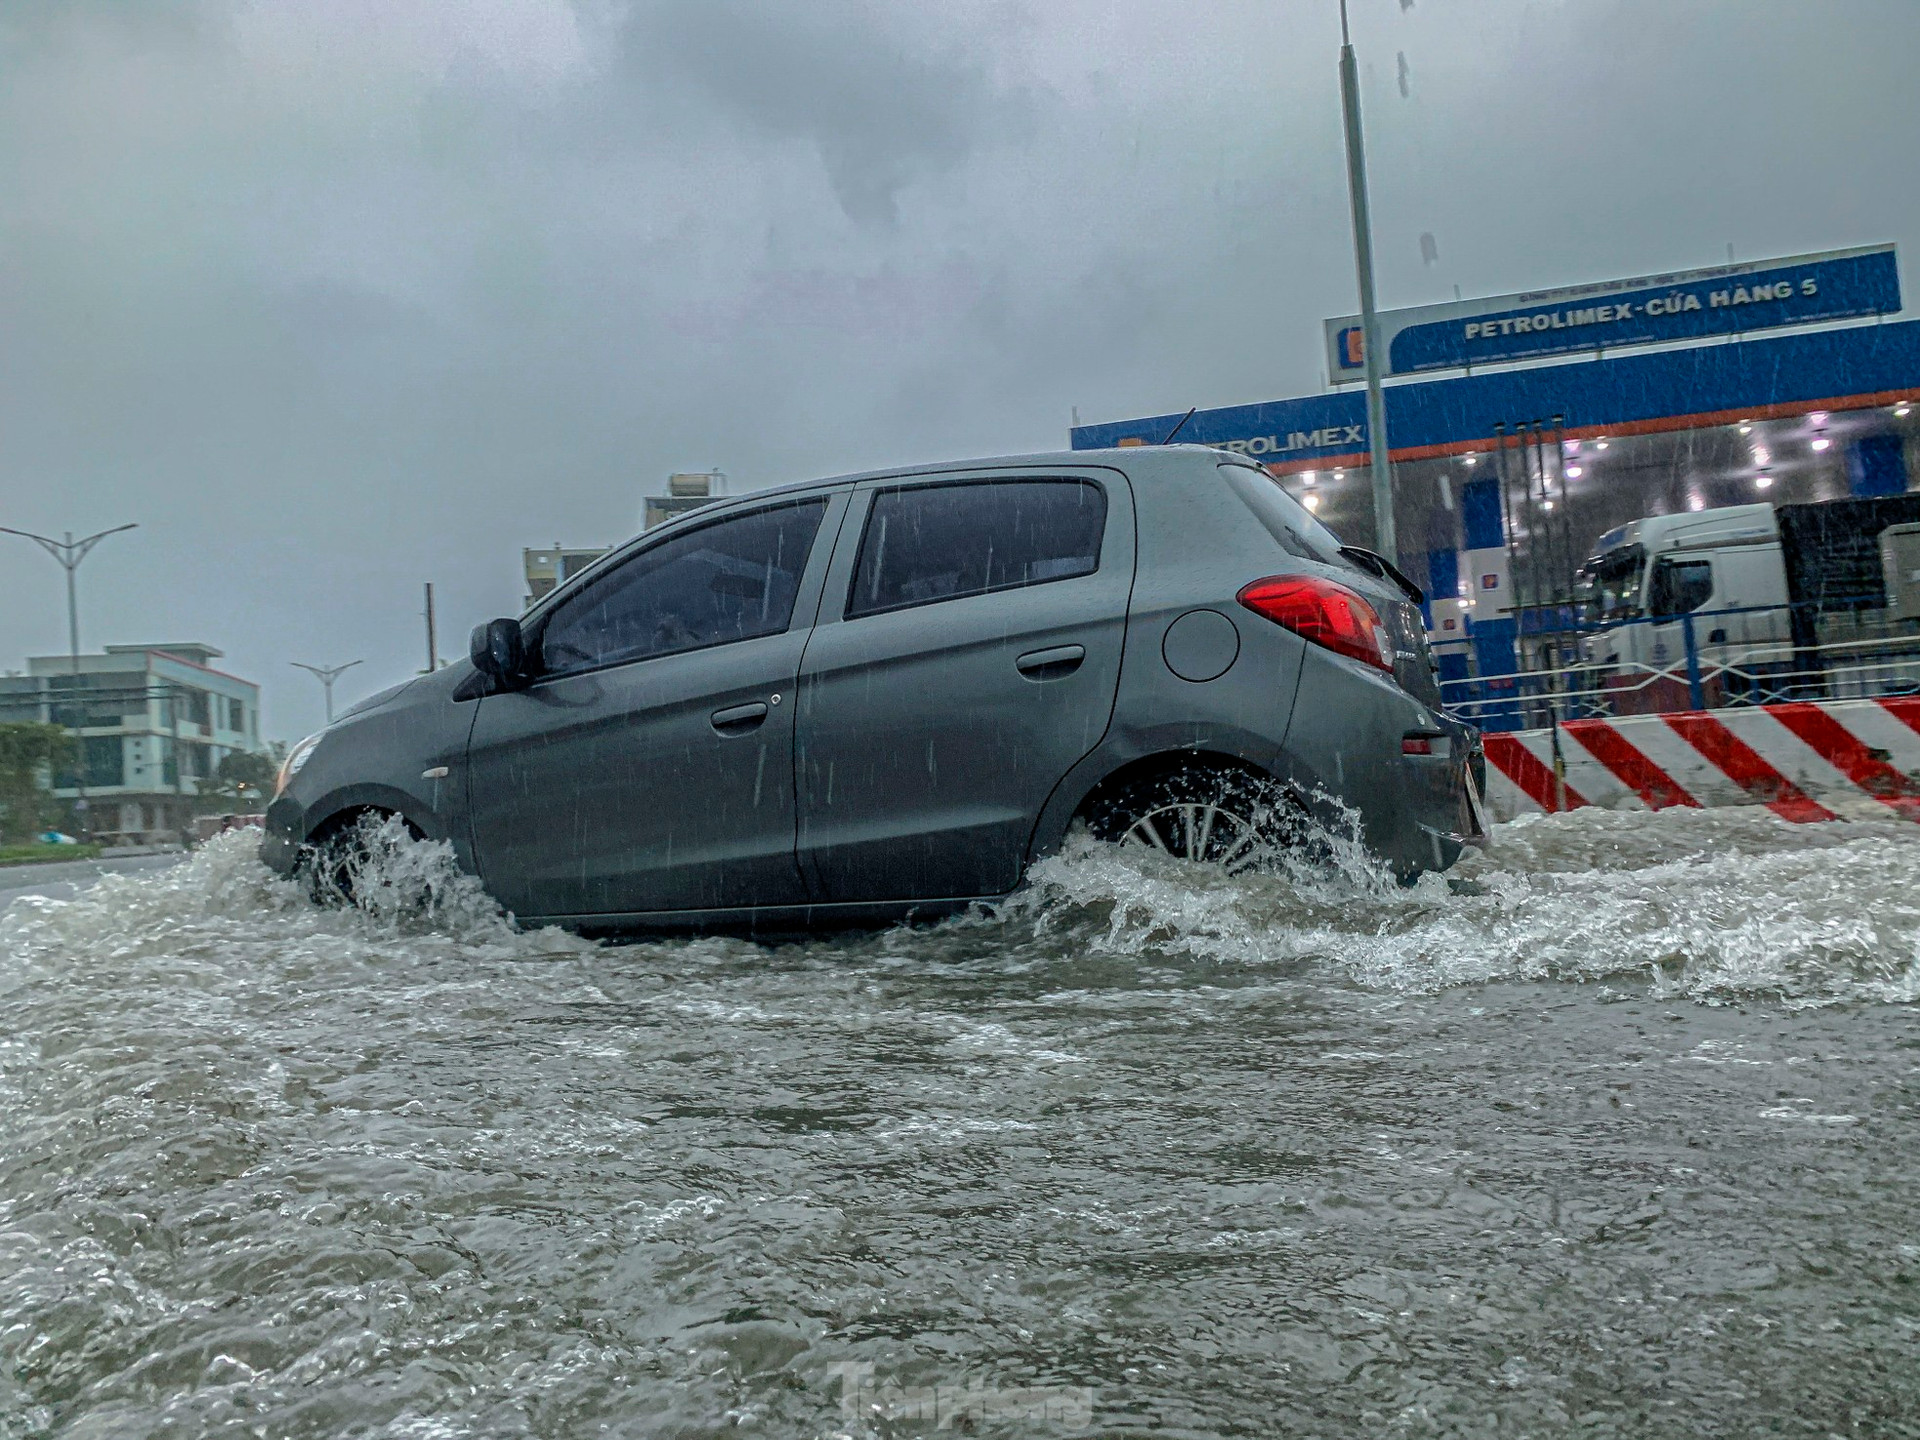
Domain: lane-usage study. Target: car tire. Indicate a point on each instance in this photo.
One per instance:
(330, 862)
(1211, 814)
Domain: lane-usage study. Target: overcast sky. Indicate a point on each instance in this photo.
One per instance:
(337, 296)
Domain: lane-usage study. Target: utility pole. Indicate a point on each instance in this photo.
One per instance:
(1384, 540)
(70, 552)
(326, 674)
(433, 642)
(174, 698)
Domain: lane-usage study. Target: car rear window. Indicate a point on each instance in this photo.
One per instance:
(1285, 518)
(927, 543)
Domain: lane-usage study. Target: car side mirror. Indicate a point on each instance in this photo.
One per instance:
(499, 651)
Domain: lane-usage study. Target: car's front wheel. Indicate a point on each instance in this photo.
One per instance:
(346, 857)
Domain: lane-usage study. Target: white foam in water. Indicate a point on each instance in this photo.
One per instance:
(287, 1169)
(1709, 904)
(223, 902)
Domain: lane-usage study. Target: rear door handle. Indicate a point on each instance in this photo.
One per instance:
(1053, 664)
(738, 719)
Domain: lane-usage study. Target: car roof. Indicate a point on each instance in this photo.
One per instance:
(1128, 457)
(1119, 457)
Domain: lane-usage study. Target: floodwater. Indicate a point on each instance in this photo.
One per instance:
(1623, 1141)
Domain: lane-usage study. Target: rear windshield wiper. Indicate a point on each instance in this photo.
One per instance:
(1384, 569)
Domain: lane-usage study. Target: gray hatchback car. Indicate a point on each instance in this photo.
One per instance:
(883, 696)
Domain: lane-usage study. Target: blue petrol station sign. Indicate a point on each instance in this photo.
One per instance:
(1635, 393)
(1652, 309)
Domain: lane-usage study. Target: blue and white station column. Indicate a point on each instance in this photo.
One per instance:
(1489, 585)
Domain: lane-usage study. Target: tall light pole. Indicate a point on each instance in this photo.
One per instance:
(70, 552)
(1385, 540)
(326, 674)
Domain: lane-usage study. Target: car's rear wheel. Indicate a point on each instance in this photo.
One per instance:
(1206, 813)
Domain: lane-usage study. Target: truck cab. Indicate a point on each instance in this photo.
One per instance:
(1778, 599)
(1665, 567)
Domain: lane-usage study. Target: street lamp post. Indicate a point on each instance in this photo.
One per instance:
(1384, 539)
(70, 552)
(326, 674)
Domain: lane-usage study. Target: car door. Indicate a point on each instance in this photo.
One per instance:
(647, 766)
(966, 657)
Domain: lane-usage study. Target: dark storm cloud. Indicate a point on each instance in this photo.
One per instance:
(26, 23)
(846, 78)
(338, 298)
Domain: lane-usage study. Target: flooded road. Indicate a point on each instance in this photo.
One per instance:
(1621, 1142)
(63, 879)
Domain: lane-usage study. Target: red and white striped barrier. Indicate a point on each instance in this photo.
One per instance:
(1797, 760)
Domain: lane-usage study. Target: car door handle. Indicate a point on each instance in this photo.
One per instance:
(1053, 664)
(738, 719)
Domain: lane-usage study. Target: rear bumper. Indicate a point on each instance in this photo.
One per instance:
(1423, 820)
(1344, 747)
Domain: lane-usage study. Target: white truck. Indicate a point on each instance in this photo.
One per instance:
(1826, 595)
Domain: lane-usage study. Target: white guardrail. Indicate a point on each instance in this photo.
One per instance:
(1711, 677)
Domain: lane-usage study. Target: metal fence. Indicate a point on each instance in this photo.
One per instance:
(1704, 660)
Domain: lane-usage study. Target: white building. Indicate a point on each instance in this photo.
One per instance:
(155, 721)
(555, 566)
(685, 491)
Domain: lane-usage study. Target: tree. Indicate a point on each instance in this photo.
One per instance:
(242, 783)
(29, 752)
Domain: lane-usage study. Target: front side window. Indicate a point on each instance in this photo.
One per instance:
(731, 580)
(1680, 586)
(926, 543)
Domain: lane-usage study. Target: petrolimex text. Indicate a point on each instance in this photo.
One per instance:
(1677, 303)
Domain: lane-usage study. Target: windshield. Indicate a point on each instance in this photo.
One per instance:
(1610, 585)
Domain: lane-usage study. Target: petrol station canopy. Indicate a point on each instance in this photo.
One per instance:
(1806, 414)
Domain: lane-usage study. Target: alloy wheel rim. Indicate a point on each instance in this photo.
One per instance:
(1195, 830)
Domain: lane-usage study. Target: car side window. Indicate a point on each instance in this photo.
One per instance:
(730, 580)
(925, 543)
(1680, 586)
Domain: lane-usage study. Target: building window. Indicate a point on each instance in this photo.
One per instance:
(103, 764)
(106, 761)
(236, 717)
(98, 701)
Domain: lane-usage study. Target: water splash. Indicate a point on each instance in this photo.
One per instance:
(1710, 905)
(223, 905)
(412, 884)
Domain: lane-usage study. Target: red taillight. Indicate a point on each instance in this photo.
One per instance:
(1324, 612)
(1416, 745)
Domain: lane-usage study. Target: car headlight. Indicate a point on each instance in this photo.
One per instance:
(296, 757)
